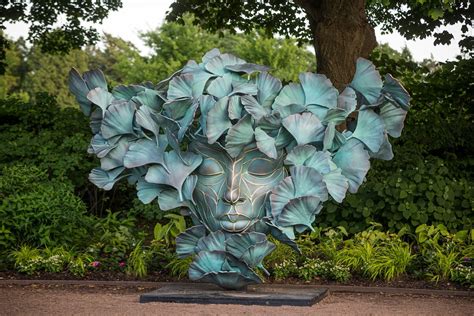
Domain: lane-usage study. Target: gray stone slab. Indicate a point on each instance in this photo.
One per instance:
(201, 293)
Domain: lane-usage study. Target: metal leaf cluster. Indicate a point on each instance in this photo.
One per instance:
(140, 132)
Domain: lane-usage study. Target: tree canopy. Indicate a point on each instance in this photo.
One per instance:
(57, 26)
(411, 18)
(340, 30)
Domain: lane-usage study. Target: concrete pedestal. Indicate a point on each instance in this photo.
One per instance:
(201, 293)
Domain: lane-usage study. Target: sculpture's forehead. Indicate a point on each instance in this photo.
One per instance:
(216, 151)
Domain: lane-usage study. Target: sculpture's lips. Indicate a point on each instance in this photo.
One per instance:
(233, 222)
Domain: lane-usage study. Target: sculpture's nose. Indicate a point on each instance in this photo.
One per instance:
(232, 192)
(232, 195)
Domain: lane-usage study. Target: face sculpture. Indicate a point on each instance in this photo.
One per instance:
(230, 193)
(239, 126)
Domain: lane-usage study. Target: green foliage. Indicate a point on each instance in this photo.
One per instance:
(169, 231)
(138, 261)
(390, 261)
(179, 267)
(58, 26)
(440, 251)
(463, 275)
(313, 267)
(114, 238)
(26, 259)
(41, 212)
(376, 254)
(291, 19)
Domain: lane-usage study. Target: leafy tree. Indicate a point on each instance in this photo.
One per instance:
(57, 26)
(47, 73)
(10, 80)
(121, 62)
(174, 44)
(340, 30)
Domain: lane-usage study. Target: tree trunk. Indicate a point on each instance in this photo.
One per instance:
(341, 34)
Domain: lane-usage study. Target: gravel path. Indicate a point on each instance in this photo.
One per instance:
(91, 300)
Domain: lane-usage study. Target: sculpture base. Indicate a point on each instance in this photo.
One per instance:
(201, 293)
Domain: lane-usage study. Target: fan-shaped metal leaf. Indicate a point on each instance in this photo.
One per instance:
(336, 184)
(79, 89)
(318, 90)
(187, 120)
(215, 241)
(180, 87)
(246, 88)
(281, 195)
(265, 143)
(385, 152)
(126, 93)
(305, 128)
(180, 170)
(101, 146)
(320, 161)
(335, 115)
(395, 92)
(299, 155)
(217, 65)
(146, 117)
(114, 158)
(147, 192)
(220, 87)
(367, 80)
(268, 88)
(329, 135)
(300, 211)
(247, 68)
(238, 136)
(252, 106)
(353, 159)
(290, 94)
(250, 248)
(347, 100)
(308, 182)
(150, 98)
(186, 242)
(106, 179)
(95, 78)
(393, 118)
(235, 108)
(178, 108)
(100, 97)
(206, 102)
(143, 152)
(217, 120)
(118, 119)
(369, 130)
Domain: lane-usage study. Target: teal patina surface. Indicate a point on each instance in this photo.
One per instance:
(261, 158)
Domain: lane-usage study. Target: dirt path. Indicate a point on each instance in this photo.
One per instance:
(82, 300)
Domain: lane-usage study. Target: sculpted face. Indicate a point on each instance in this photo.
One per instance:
(231, 192)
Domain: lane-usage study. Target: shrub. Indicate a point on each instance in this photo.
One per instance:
(39, 212)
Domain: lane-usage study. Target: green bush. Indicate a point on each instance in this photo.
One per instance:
(39, 212)
(423, 192)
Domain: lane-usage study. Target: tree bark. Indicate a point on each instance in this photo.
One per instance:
(341, 34)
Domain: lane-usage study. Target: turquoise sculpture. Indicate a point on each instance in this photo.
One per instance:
(243, 155)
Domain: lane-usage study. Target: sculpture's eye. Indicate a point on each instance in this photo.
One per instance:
(261, 167)
(210, 167)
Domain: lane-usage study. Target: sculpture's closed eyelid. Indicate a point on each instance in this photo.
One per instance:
(261, 167)
(210, 167)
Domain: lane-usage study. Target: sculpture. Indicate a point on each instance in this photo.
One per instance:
(242, 154)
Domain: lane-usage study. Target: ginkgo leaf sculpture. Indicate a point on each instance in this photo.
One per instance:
(261, 158)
